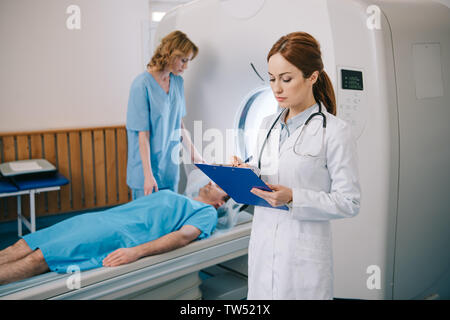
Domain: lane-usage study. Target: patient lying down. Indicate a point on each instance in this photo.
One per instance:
(154, 224)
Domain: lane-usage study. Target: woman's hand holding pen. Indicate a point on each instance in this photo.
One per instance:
(237, 162)
(279, 196)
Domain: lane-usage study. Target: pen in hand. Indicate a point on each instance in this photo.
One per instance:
(236, 162)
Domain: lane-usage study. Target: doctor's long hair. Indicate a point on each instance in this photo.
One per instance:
(303, 51)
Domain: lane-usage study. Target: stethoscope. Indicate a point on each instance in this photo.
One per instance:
(324, 125)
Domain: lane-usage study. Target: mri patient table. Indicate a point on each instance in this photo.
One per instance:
(127, 280)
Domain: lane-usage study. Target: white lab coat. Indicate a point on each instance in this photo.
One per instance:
(290, 253)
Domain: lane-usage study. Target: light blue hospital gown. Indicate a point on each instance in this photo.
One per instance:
(85, 240)
(150, 108)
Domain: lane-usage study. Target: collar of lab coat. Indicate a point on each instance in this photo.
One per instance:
(311, 130)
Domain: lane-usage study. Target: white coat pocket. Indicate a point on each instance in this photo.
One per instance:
(313, 264)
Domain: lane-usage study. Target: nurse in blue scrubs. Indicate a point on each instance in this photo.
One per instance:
(156, 107)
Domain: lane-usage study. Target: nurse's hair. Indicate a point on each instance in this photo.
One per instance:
(303, 51)
(173, 45)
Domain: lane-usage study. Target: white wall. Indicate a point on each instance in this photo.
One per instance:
(52, 77)
(160, 6)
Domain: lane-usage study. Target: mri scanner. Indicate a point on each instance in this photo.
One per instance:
(390, 66)
(389, 62)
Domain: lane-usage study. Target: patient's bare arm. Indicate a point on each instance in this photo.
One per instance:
(166, 243)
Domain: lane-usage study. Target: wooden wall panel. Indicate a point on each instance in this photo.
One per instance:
(122, 152)
(75, 168)
(88, 169)
(100, 179)
(93, 159)
(50, 155)
(9, 154)
(23, 153)
(37, 153)
(111, 166)
(63, 168)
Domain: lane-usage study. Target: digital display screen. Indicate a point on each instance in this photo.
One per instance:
(352, 80)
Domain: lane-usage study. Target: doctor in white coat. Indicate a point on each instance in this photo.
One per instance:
(311, 168)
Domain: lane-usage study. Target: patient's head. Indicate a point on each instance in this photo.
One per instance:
(213, 195)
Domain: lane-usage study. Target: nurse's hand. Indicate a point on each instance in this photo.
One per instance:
(120, 256)
(281, 195)
(150, 184)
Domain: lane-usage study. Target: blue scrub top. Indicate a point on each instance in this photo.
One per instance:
(150, 108)
(85, 240)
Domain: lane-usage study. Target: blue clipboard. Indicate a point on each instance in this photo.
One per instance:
(237, 183)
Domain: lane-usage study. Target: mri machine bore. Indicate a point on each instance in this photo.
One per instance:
(389, 64)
